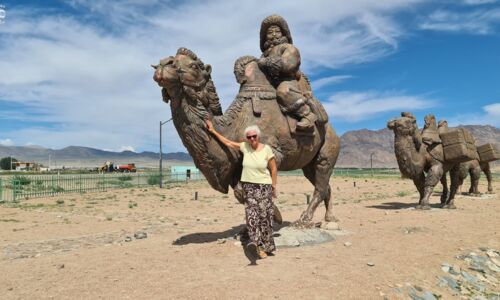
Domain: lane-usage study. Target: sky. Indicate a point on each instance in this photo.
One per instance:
(78, 72)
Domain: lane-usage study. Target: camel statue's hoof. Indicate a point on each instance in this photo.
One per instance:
(329, 218)
(418, 207)
(425, 207)
(303, 224)
(451, 206)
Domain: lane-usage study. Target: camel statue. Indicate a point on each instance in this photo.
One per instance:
(416, 159)
(471, 167)
(474, 168)
(186, 83)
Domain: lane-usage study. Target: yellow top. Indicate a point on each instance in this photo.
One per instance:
(255, 164)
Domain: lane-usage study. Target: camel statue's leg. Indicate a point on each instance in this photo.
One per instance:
(475, 175)
(318, 172)
(444, 195)
(487, 171)
(420, 185)
(455, 182)
(319, 175)
(433, 177)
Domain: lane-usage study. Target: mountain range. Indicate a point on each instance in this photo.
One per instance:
(356, 148)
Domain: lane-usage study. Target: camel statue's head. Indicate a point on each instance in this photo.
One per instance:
(185, 76)
(406, 125)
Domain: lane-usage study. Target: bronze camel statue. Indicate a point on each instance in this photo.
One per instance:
(416, 159)
(186, 83)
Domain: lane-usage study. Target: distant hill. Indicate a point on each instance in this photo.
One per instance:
(356, 148)
(75, 156)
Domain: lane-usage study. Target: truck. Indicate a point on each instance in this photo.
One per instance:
(128, 168)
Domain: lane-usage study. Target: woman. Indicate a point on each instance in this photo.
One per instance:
(258, 179)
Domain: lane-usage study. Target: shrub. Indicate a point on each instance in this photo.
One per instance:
(22, 180)
(154, 179)
(125, 178)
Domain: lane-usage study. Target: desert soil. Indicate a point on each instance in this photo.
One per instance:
(83, 246)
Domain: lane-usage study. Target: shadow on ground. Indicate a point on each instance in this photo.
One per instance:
(209, 237)
(399, 205)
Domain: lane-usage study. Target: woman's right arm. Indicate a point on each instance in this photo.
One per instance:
(225, 141)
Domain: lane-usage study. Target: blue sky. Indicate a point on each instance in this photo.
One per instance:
(77, 72)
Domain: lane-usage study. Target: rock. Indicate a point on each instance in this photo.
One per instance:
(491, 254)
(492, 266)
(330, 225)
(473, 281)
(445, 267)
(370, 264)
(450, 282)
(61, 266)
(348, 244)
(140, 235)
(221, 241)
(455, 270)
(495, 261)
(294, 237)
(468, 277)
(427, 295)
(128, 238)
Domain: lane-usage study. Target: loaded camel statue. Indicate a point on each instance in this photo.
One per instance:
(417, 158)
(186, 83)
(472, 167)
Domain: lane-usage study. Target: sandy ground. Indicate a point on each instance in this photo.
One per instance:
(76, 246)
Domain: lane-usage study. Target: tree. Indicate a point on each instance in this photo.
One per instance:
(5, 163)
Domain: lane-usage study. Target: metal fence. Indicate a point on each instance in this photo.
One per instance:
(352, 172)
(17, 187)
(14, 188)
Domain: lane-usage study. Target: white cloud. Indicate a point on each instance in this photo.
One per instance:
(479, 21)
(490, 116)
(126, 148)
(6, 142)
(326, 81)
(90, 75)
(358, 106)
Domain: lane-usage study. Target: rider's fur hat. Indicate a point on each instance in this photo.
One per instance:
(274, 20)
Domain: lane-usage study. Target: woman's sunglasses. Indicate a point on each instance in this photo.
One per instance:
(251, 137)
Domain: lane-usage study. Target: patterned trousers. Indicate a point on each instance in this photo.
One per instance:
(259, 211)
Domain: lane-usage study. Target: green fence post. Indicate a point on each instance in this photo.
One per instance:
(1, 189)
(14, 189)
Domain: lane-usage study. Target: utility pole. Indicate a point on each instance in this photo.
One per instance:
(161, 152)
(371, 162)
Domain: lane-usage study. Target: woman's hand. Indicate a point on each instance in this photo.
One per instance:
(275, 192)
(210, 126)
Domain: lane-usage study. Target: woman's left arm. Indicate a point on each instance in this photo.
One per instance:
(274, 175)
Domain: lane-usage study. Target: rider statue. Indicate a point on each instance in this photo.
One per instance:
(281, 62)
